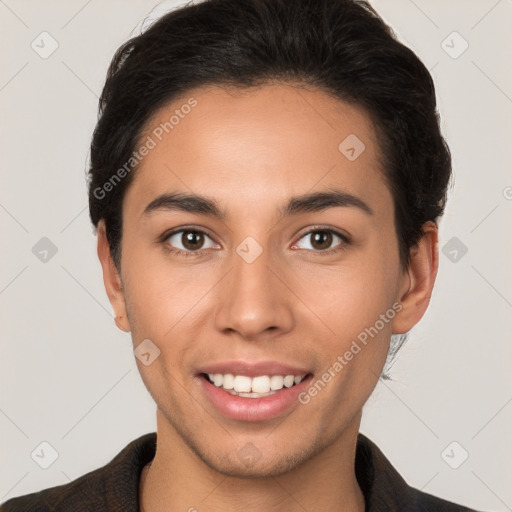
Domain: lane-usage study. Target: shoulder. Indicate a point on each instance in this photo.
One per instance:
(385, 489)
(113, 487)
(423, 502)
(83, 494)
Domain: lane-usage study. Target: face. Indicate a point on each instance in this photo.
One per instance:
(291, 259)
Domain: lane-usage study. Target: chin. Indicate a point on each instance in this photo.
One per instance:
(229, 465)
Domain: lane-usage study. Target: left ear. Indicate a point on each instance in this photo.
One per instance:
(418, 280)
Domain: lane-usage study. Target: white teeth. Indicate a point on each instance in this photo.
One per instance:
(276, 382)
(262, 385)
(228, 382)
(242, 384)
(252, 395)
(288, 381)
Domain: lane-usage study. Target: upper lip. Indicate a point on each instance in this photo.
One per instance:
(253, 369)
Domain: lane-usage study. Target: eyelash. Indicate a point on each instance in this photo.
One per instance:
(179, 252)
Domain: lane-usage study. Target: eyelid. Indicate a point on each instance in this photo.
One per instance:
(346, 239)
(191, 227)
(337, 231)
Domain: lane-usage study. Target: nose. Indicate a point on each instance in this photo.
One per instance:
(253, 300)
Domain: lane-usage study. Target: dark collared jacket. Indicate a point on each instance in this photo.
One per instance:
(115, 486)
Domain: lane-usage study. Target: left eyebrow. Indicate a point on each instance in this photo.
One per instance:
(319, 201)
(307, 203)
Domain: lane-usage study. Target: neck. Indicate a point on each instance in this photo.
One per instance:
(178, 480)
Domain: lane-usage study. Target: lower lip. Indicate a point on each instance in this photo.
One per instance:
(253, 409)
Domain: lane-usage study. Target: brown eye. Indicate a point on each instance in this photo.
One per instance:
(190, 240)
(321, 240)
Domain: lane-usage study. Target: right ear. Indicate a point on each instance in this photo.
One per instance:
(112, 280)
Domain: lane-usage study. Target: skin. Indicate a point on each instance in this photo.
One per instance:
(297, 303)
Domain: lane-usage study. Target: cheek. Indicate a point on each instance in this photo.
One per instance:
(162, 298)
(352, 296)
(357, 306)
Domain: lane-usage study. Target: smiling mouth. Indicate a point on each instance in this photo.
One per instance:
(253, 387)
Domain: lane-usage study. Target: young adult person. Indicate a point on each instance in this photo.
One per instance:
(267, 178)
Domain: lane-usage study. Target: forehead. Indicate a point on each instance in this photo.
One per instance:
(258, 146)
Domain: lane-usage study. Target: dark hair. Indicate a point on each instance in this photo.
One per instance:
(339, 46)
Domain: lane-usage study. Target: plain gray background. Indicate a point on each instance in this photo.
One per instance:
(68, 376)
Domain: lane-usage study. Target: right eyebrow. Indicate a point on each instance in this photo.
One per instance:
(192, 203)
